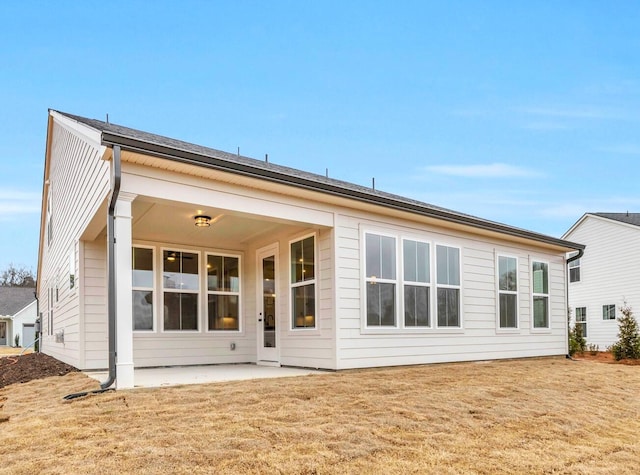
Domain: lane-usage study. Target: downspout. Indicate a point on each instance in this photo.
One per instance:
(570, 260)
(111, 285)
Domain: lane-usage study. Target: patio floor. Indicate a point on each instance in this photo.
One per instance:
(175, 375)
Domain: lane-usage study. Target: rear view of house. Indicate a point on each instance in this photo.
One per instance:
(169, 253)
(607, 276)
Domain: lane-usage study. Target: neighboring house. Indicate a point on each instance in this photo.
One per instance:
(607, 276)
(198, 256)
(18, 313)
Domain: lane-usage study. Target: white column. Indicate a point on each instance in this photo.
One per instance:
(124, 311)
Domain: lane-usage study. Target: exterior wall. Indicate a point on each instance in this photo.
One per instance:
(93, 285)
(608, 274)
(78, 182)
(479, 338)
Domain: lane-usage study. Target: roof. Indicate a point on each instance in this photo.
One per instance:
(14, 299)
(628, 218)
(172, 149)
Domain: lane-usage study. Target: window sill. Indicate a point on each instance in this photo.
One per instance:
(411, 331)
(507, 331)
(541, 331)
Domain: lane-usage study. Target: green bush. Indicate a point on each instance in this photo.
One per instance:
(577, 342)
(628, 344)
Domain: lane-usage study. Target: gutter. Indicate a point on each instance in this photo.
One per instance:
(116, 178)
(570, 260)
(112, 139)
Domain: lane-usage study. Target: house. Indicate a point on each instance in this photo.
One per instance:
(168, 253)
(607, 276)
(18, 312)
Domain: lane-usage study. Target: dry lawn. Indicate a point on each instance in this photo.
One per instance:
(10, 351)
(526, 416)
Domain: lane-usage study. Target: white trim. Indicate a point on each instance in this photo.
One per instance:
(181, 291)
(534, 329)
(429, 284)
(153, 289)
(449, 286)
(208, 292)
(261, 357)
(499, 328)
(315, 281)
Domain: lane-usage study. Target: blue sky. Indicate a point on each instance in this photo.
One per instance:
(526, 113)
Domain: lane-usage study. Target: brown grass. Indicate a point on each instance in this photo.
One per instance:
(526, 416)
(10, 351)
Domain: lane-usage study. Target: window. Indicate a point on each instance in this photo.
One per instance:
(415, 255)
(574, 270)
(608, 312)
(508, 291)
(540, 295)
(49, 222)
(223, 292)
(72, 267)
(448, 286)
(142, 285)
(581, 319)
(380, 268)
(180, 283)
(303, 283)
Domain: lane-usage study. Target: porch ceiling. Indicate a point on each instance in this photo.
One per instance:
(171, 222)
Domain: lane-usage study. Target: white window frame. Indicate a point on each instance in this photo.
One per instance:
(49, 218)
(293, 285)
(208, 292)
(610, 308)
(499, 292)
(583, 320)
(164, 290)
(534, 328)
(448, 286)
(576, 264)
(73, 268)
(151, 289)
(374, 279)
(403, 283)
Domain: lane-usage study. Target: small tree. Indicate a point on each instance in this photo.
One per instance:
(577, 342)
(628, 344)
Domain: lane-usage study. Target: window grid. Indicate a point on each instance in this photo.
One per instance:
(416, 285)
(581, 319)
(574, 271)
(609, 312)
(223, 292)
(508, 292)
(302, 259)
(181, 290)
(540, 295)
(448, 286)
(380, 279)
(143, 287)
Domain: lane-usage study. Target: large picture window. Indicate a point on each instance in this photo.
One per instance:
(303, 283)
(448, 286)
(180, 283)
(223, 292)
(415, 258)
(380, 268)
(142, 284)
(540, 295)
(508, 291)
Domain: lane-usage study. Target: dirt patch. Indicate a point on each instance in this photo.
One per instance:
(603, 357)
(25, 368)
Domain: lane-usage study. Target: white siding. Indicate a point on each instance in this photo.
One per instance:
(479, 338)
(93, 282)
(79, 182)
(609, 274)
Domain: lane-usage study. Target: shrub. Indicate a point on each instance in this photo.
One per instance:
(577, 342)
(593, 349)
(16, 340)
(628, 344)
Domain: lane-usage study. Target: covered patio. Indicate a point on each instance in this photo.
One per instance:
(180, 375)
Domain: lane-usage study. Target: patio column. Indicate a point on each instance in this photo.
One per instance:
(124, 311)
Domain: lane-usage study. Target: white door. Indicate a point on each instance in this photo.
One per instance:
(28, 334)
(267, 328)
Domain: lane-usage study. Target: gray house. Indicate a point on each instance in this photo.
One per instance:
(18, 313)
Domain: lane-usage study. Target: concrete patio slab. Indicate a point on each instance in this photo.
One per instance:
(176, 375)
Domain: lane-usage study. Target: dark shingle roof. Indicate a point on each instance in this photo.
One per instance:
(14, 299)
(629, 218)
(165, 147)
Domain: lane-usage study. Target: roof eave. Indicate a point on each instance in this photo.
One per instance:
(183, 156)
